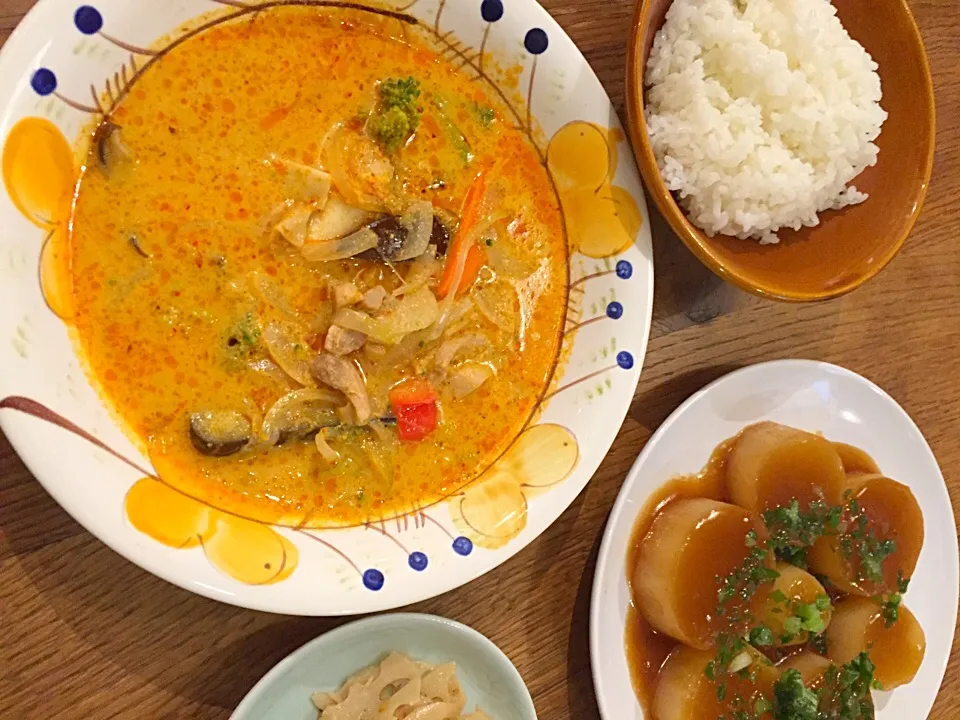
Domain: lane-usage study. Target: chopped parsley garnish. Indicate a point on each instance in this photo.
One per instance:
(845, 694)
(761, 636)
(397, 115)
(743, 581)
(793, 532)
(846, 691)
(891, 603)
(792, 700)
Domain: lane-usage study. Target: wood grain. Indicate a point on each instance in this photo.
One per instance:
(86, 634)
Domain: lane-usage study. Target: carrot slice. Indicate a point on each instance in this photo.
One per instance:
(462, 252)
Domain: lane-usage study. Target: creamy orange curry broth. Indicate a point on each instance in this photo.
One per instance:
(176, 271)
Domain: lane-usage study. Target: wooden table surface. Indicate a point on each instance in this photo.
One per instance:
(86, 634)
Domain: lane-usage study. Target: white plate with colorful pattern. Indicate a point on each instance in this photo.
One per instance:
(62, 66)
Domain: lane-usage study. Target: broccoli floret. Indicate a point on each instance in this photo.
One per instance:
(397, 115)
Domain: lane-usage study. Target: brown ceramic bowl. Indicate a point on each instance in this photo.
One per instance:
(849, 246)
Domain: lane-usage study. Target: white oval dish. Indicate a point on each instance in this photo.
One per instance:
(47, 69)
(486, 675)
(814, 396)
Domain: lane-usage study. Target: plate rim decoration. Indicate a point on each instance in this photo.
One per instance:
(46, 400)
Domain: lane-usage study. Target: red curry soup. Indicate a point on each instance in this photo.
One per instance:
(318, 274)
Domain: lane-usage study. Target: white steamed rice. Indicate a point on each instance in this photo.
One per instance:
(760, 112)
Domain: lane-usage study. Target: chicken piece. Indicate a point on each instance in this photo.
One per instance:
(345, 377)
(374, 297)
(341, 341)
(345, 294)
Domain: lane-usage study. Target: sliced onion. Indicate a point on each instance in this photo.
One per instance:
(384, 435)
(458, 311)
(506, 264)
(289, 351)
(293, 224)
(418, 221)
(338, 219)
(323, 447)
(469, 377)
(424, 269)
(293, 409)
(491, 312)
(303, 183)
(361, 173)
(451, 348)
(266, 366)
(414, 312)
(740, 662)
(271, 293)
(346, 247)
(401, 354)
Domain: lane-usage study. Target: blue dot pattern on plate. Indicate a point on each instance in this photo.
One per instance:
(614, 310)
(491, 10)
(43, 81)
(536, 42)
(462, 546)
(624, 359)
(373, 579)
(418, 561)
(88, 19)
(624, 270)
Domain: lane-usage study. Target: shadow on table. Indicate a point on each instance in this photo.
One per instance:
(581, 696)
(206, 652)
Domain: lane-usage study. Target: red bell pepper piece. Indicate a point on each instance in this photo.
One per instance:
(414, 404)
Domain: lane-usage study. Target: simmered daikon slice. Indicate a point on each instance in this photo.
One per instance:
(880, 538)
(693, 545)
(771, 465)
(685, 691)
(795, 607)
(896, 647)
(812, 668)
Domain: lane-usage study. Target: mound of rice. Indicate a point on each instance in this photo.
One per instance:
(760, 112)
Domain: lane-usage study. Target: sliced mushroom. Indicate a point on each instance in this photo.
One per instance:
(307, 425)
(439, 236)
(110, 149)
(219, 433)
(391, 236)
(345, 377)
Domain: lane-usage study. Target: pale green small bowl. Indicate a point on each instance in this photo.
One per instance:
(486, 675)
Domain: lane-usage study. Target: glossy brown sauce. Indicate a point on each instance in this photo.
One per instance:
(646, 649)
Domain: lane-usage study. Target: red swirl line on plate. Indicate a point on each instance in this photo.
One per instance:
(387, 535)
(584, 324)
(42, 412)
(331, 547)
(424, 515)
(577, 382)
(585, 278)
